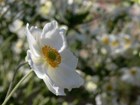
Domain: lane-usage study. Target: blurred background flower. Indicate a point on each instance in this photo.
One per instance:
(104, 34)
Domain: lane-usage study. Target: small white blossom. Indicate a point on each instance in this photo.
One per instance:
(90, 85)
(118, 44)
(16, 25)
(46, 8)
(131, 75)
(17, 47)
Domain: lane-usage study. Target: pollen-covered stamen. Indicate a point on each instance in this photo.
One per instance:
(52, 56)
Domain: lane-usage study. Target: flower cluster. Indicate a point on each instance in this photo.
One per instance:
(103, 34)
(118, 44)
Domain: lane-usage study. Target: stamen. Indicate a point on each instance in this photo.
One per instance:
(52, 56)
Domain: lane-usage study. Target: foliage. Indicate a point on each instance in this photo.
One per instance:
(104, 34)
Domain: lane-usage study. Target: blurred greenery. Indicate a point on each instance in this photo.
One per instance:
(103, 34)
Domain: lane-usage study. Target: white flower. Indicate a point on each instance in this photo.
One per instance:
(111, 43)
(90, 84)
(131, 75)
(45, 8)
(127, 41)
(104, 39)
(18, 46)
(16, 25)
(50, 58)
(118, 44)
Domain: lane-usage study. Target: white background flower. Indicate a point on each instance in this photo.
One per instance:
(50, 58)
(132, 75)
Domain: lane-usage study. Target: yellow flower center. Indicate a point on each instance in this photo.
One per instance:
(115, 43)
(52, 56)
(105, 40)
(109, 87)
(133, 71)
(127, 42)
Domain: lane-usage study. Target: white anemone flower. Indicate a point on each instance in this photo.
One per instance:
(50, 58)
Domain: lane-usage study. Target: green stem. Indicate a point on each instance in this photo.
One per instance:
(12, 82)
(15, 88)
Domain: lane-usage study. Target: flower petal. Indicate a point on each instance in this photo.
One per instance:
(69, 59)
(32, 42)
(51, 26)
(52, 87)
(65, 77)
(36, 32)
(53, 36)
(36, 64)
